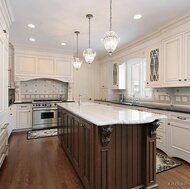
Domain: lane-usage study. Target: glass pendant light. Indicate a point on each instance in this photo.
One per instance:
(77, 62)
(88, 54)
(110, 39)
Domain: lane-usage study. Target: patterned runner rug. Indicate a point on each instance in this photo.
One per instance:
(41, 133)
(163, 163)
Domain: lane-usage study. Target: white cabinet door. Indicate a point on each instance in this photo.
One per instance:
(186, 69)
(12, 119)
(172, 55)
(11, 68)
(103, 76)
(103, 94)
(24, 116)
(179, 134)
(154, 66)
(118, 76)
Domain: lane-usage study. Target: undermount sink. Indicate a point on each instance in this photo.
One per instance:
(127, 103)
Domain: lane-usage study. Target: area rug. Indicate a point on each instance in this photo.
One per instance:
(34, 134)
(164, 163)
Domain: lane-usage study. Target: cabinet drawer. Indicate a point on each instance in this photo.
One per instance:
(24, 107)
(3, 134)
(160, 138)
(3, 147)
(182, 118)
(163, 122)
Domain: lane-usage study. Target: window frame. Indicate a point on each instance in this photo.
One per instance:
(142, 74)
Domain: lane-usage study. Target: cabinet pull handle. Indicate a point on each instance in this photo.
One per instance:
(182, 118)
(5, 150)
(158, 138)
(23, 106)
(5, 126)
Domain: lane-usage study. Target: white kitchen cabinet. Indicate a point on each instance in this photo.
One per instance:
(11, 68)
(154, 66)
(118, 76)
(24, 116)
(103, 94)
(12, 119)
(3, 143)
(186, 79)
(103, 75)
(36, 64)
(173, 61)
(179, 135)
(161, 131)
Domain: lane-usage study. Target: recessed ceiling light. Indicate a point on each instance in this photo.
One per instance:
(32, 39)
(137, 16)
(31, 25)
(63, 44)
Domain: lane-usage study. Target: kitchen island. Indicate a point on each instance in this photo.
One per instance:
(109, 147)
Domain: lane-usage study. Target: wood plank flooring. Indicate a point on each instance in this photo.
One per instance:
(37, 164)
(43, 164)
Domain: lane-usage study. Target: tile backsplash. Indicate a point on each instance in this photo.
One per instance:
(43, 89)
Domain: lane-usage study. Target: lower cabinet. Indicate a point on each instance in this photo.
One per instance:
(173, 134)
(3, 143)
(179, 129)
(24, 116)
(76, 135)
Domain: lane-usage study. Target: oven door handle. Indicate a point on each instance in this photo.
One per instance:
(43, 109)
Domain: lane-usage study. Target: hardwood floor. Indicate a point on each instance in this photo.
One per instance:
(43, 164)
(37, 164)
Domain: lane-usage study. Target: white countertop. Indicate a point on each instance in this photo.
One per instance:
(100, 114)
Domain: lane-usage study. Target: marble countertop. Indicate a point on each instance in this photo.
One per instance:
(100, 114)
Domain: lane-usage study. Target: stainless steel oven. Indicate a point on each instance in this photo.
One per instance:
(44, 114)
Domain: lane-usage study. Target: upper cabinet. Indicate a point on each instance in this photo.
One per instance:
(11, 67)
(104, 75)
(187, 59)
(118, 76)
(154, 66)
(177, 60)
(173, 61)
(33, 64)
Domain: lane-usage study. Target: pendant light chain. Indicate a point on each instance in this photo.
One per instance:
(89, 32)
(77, 45)
(110, 15)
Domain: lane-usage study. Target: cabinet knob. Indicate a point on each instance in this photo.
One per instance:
(147, 83)
(179, 79)
(185, 79)
(168, 123)
(11, 114)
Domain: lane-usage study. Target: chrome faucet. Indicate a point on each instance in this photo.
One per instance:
(80, 95)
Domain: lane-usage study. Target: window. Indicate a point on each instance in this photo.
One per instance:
(136, 77)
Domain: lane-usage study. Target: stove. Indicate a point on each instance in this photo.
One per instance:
(44, 113)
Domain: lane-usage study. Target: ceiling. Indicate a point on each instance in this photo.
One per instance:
(56, 21)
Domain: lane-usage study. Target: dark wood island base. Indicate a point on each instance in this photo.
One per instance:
(121, 156)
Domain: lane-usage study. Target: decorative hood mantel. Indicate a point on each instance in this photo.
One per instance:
(35, 64)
